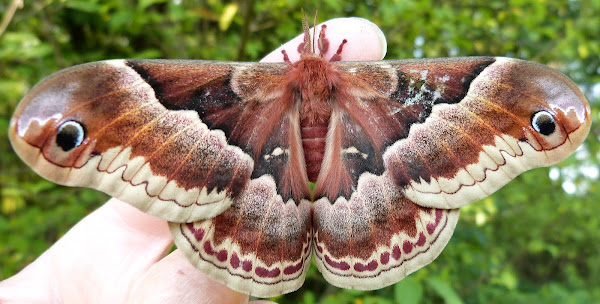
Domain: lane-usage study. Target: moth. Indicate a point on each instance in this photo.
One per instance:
(227, 153)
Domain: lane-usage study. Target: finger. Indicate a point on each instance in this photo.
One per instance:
(175, 280)
(110, 249)
(28, 286)
(365, 41)
(100, 257)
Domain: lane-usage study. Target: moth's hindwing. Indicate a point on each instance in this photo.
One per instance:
(378, 236)
(260, 246)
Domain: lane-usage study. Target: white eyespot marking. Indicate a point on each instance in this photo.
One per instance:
(543, 122)
(70, 135)
(276, 152)
(353, 150)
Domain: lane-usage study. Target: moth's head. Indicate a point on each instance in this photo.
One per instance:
(49, 130)
(557, 112)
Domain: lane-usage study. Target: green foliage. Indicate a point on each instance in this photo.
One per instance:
(531, 242)
(408, 291)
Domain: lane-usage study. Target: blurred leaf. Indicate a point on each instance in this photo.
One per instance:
(408, 291)
(444, 290)
(11, 89)
(507, 278)
(22, 46)
(10, 203)
(84, 6)
(148, 54)
(227, 16)
(144, 4)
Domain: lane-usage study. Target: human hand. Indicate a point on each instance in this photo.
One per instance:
(118, 254)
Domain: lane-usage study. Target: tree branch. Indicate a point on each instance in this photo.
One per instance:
(10, 12)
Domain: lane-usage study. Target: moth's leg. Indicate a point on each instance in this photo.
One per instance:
(338, 54)
(285, 57)
(324, 45)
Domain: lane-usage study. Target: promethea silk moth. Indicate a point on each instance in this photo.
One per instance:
(226, 152)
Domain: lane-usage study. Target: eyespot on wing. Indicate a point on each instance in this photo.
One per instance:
(46, 125)
(532, 96)
(560, 120)
(101, 125)
(517, 115)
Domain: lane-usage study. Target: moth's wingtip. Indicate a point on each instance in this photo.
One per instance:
(561, 94)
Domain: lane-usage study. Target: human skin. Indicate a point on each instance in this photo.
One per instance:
(119, 254)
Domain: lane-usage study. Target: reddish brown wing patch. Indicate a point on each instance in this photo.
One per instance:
(378, 236)
(262, 122)
(259, 246)
(376, 105)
